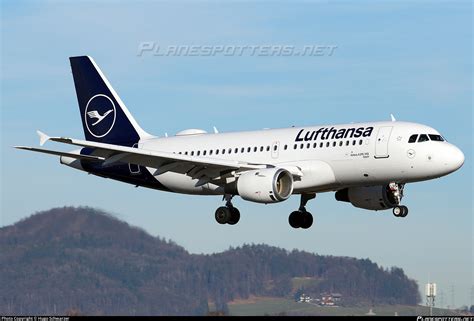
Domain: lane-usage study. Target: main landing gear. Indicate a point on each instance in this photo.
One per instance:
(227, 214)
(301, 217)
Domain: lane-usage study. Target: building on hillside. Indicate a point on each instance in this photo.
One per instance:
(330, 299)
(304, 298)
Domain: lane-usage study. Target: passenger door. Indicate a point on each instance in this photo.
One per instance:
(381, 142)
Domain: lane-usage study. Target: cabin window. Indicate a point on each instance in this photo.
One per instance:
(347, 143)
(436, 138)
(413, 138)
(210, 152)
(360, 141)
(327, 144)
(334, 144)
(204, 153)
(340, 143)
(192, 153)
(315, 145)
(301, 146)
(423, 138)
(242, 150)
(321, 144)
(249, 149)
(268, 148)
(275, 147)
(285, 147)
(223, 151)
(217, 152)
(185, 153)
(198, 153)
(255, 149)
(294, 146)
(353, 142)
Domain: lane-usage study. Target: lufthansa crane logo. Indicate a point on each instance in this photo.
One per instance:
(100, 115)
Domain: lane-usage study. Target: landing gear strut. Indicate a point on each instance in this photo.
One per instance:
(227, 214)
(301, 217)
(397, 194)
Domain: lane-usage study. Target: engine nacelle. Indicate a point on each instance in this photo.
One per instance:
(369, 198)
(269, 185)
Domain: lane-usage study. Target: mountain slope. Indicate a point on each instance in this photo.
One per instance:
(86, 260)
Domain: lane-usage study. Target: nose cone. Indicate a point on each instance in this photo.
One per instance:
(454, 158)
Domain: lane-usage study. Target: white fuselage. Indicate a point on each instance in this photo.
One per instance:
(327, 162)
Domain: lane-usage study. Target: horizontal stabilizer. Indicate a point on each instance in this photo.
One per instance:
(58, 153)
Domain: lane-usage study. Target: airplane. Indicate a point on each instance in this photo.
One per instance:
(365, 164)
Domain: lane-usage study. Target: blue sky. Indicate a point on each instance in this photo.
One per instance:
(410, 58)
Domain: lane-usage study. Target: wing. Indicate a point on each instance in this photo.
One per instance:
(205, 169)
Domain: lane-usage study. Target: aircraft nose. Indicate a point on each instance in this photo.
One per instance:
(454, 158)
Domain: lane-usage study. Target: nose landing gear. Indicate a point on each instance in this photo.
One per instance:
(302, 218)
(397, 195)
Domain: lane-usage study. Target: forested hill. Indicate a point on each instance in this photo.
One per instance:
(84, 260)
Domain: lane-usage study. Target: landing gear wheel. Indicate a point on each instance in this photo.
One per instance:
(294, 219)
(307, 220)
(223, 215)
(400, 211)
(234, 217)
(301, 219)
(404, 211)
(397, 210)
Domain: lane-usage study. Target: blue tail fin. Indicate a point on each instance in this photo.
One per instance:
(104, 116)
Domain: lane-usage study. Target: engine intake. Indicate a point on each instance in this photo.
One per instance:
(368, 197)
(269, 185)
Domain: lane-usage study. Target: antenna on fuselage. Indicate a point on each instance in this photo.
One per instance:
(392, 117)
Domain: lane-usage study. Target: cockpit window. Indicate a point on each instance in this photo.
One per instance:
(436, 138)
(423, 138)
(413, 138)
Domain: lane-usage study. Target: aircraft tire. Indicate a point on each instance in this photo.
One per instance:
(234, 217)
(295, 219)
(223, 215)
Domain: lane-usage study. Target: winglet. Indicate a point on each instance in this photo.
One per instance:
(393, 117)
(43, 137)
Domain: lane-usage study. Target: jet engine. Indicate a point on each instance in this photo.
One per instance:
(369, 197)
(269, 185)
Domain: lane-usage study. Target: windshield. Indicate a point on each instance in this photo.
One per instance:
(423, 138)
(436, 138)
